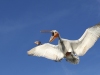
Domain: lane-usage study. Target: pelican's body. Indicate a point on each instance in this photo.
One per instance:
(67, 48)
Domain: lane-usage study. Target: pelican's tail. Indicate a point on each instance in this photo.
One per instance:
(72, 59)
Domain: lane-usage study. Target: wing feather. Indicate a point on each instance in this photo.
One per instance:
(87, 40)
(48, 51)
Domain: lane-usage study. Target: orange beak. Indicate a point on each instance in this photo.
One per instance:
(54, 37)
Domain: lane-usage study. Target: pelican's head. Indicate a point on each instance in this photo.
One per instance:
(37, 42)
(54, 35)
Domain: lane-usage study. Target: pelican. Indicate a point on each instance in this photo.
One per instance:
(67, 48)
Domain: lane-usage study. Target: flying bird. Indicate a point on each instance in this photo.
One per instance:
(68, 49)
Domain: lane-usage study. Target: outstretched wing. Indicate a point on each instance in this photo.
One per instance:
(87, 40)
(48, 51)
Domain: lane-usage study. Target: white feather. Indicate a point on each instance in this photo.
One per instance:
(48, 51)
(79, 47)
(87, 40)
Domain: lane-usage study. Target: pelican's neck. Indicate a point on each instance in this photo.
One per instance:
(59, 38)
(61, 44)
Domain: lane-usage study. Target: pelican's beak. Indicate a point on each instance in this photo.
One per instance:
(54, 36)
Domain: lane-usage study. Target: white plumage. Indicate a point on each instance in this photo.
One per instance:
(48, 51)
(78, 47)
(88, 39)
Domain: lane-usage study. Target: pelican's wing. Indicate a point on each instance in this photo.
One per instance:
(48, 51)
(88, 39)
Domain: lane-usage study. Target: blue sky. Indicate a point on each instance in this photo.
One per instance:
(20, 25)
